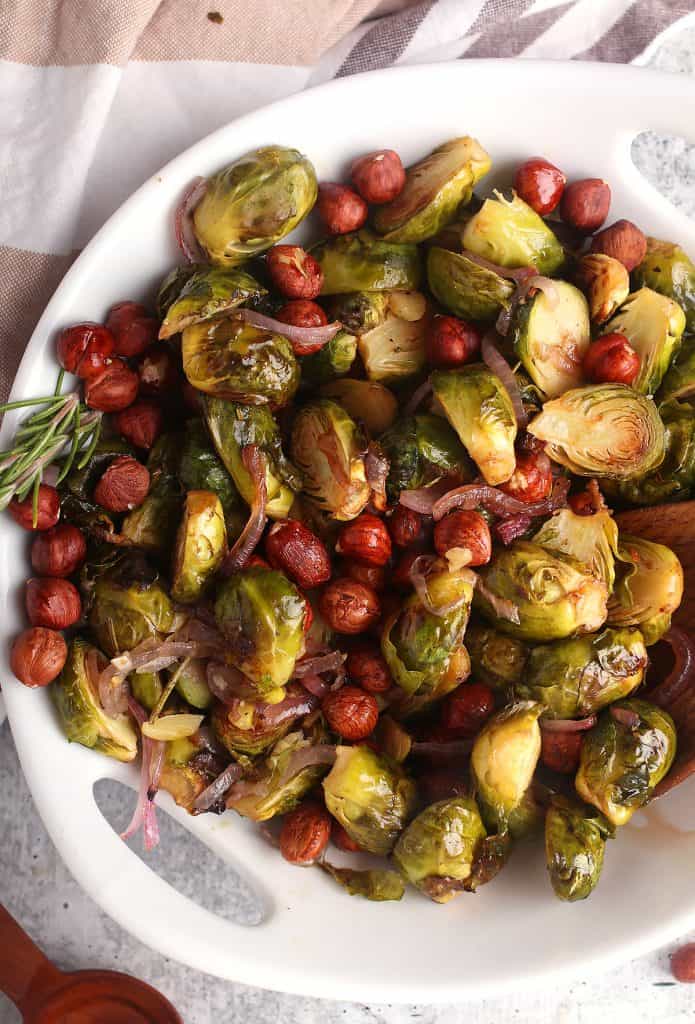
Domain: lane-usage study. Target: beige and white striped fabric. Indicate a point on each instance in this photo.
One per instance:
(95, 95)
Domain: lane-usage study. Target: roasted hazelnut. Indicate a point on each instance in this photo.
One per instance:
(401, 571)
(623, 241)
(305, 833)
(560, 751)
(466, 532)
(291, 547)
(585, 204)
(294, 272)
(449, 342)
(378, 177)
(140, 424)
(605, 282)
(611, 359)
(59, 551)
(48, 509)
(373, 575)
(349, 607)
(302, 313)
(540, 184)
(52, 603)
(83, 349)
(365, 539)
(466, 709)
(123, 486)
(132, 328)
(582, 503)
(158, 371)
(683, 963)
(441, 785)
(113, 388)
(342, 840)
(340, 209)
(350, 712)
(367, 668)
(37, 656)
(405, 526)
(532, 479)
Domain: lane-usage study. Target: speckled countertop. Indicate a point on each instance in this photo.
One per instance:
(37, 889)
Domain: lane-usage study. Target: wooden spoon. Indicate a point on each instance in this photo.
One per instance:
(45, 995)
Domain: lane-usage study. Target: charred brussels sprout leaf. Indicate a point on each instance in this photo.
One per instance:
(81, 715)
(551, 337)
(376, 884)
(333, 360)
(508, 232)
(359, 312)
(422, 449)
(464, 287)
(231, 359)
(394, 350)
(591, 540)
(434, 189)
(128, 607)
(654, 325)
(679, 381)
(206, 293)
(603, 430)
(575, 842)
(669, 270)
(620, 763)
(362, 262)
(480, 410)
(201, 544)
(152, 526)
(648, 589)
(327, 448)
(200, 469)
(253, 203)
(371, 797)
(496, 659)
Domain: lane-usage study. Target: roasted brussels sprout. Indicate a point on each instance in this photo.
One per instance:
(496, 659)
(504, 757)
(603, 430)
(605, 282)
(359, 312)
(253, 203)
(371, 797)
(191, 683)
(508, 232)
(200, 469)
(420, 450)
(81, 715)
(591, 540)
(362, 262)
(394, 350)
(551, 336)
(332, 361)
(534, 594)
(648, 589)
(669, 270)
(575, 842)
(189, 767)
(575, 678)
(245, 729)
(232, 426)
(146, 688)
(375, 884)
(624, 757)
(208, 292)
(129, 604)
(464, 287)
(152, 526)
(679, 381)
(262, 615)
(327, 448)
(654, 325)
(201, 544)
(171, 286)
(438, 849)
(365, 401)
(231, 359)
(480, 410)
(434, 189)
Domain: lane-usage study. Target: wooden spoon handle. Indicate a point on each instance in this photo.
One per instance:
(24, 970)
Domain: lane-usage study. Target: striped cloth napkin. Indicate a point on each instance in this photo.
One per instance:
(96, 95)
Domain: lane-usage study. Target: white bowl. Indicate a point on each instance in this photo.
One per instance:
(315, 939)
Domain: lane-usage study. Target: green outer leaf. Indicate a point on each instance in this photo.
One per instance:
(361, 261)
(465, 288)
(375, 884)
(207, 293)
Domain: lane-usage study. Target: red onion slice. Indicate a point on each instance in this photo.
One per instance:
(376, 468)
(511, 528)
(183, 220)
(626, 716)
(423, 499)
(295, 704)
(217, 789)
(145, 815)
(567, 724)
(681, 678)
(316, 686)
(517, 274)
(496, 362)
(470, 496)
(446, 751)
(304, 340)
(417, 398)
(330, 662)
(255, 462)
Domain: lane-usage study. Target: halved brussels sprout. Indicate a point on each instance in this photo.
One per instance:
(359, 312)
(363, 262)
(439, 681)
(206, 293)
(146, 688)
(551, 596)
(262, 615)
(253, 203)
(244, 728)
(508, 232)
(591, 540)
(201, 544)
(669, 270)
(575, 842)
(81, 715)
(624, 757)
(191, 683)
(496, 659)
(649, 587)
(200, 469)
(231, 359)
(603, 430)
(394, 350)
(551, 337)
(654, 325)
(679, 381)
(434, 189)
(605, 282)
(189, 767)
(152, 526)
(420, 450)
(479, 408)
(129, 606)
(327, 448)
(504, 757)
(330, 362)
(375, 884)
(232, 427)
(438, 849)
(464, 287)
(576, 678)
(366, 401)
(371, 797)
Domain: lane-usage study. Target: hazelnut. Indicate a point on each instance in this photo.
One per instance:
(52, 603)
(605, 282)
(123, 486)
(113, 388)
(611, 359)
(373, 575)
(342, 840)
(540, 184)
(340, 209)
(560, 751)
(378, 177)
(350, 712)
(132, 328)
(583, 503)
(532, 479)
(401, 572)
(302, 313)
(291, 547)
(683, 963)
(48, 509)
(294, 272)
(84, 348)
(367, 668)
(449, 342)
(140, 424)
(366, 539)
(305, 833)
(585, 204)
(405, 526)
(467, 532)
(158, 371)
(623, 241)
(59, 551)
(349, 607)
(466, 709)
(37, 656)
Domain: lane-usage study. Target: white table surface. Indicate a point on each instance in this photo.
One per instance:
(37, 889)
